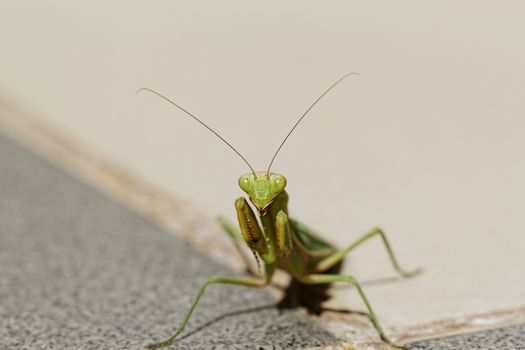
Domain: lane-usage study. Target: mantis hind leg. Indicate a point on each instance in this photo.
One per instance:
(336, 257)
(325, 278)
(248, 282)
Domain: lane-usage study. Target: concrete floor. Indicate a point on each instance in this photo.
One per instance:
(78, 271)
(510, 338)
(426, 144)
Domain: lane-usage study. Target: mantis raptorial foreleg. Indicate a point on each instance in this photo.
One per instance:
(238, 242)
(322, 279)
(282, 233)
(248, 282)
(336, 257)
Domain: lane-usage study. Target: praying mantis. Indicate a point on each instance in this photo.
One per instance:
(282, 242)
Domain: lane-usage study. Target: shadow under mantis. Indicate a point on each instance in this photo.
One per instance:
(299, 296)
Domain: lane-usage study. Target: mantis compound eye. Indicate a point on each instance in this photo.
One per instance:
(278, 182)
(245, 183)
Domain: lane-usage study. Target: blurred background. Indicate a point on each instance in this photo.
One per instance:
(427, 143)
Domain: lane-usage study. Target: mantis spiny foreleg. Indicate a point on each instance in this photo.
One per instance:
(282, 233)
(238, 241)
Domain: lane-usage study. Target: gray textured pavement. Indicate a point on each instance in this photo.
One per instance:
(78, 271)
(510, 338)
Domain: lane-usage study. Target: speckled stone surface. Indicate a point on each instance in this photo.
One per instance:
(510, 338)
(78, 271)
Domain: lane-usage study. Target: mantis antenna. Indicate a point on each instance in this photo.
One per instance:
(200, 121)
(305, 113)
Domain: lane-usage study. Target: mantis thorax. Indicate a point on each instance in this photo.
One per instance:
(262, 188)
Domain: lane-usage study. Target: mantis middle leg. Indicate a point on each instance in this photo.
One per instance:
(336, 257)
(248, 282)
(322, 279)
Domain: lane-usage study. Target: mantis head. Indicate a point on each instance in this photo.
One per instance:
(262, 188)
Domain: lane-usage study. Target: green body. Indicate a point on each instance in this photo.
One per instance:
(284, 243)
(291, 246)
(277, 240)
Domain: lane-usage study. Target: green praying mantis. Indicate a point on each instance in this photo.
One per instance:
(280, 241)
